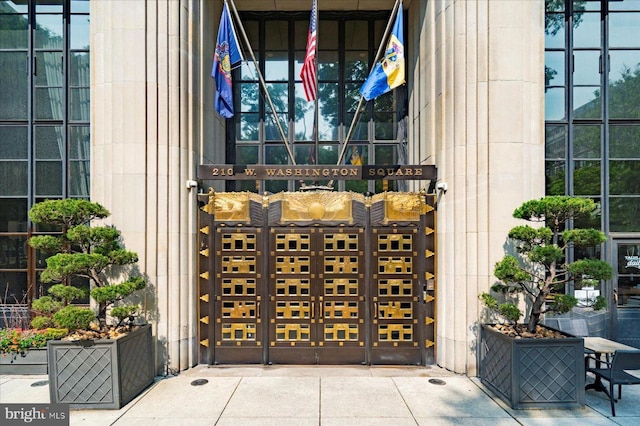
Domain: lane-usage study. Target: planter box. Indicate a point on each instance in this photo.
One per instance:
(100, 374)
(533, 373)
(33, 361)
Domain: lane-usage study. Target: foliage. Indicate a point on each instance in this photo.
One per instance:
(93, 253)
(17, 341)
(540, 268)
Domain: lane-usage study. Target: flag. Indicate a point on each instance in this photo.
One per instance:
(389, 73)
(308, 72)
(227, 54)
(356, 156)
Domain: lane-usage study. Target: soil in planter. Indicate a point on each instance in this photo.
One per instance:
(519, 331)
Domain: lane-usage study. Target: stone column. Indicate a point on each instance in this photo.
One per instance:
(477, 111)
(144, 96)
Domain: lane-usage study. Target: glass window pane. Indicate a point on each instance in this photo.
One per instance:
(624, 177)
(79, 32)
(48, 103)
(623, 77)
(356, 155)
(79, 179)
(360, 130)
(13, 142)
(12, 6)
(554, 6)
(14, 286)
(624, 141)
(276, 155)
(385, 126)
(276, 66)
(555, 141)
(555, 178)
(13, 252)
(554, 31)
(248, 70)
(13, 215)
(79, 69)
(328, 65)
(554, 68)
(328, 154)
(48, 32)
(49, 142)
(304, 116)
(48, 178)
(279, 93)
(586, 142)
(51, 6)
(586, 178)
(594, 220)
(80, 104)
(49, 69)
(356, 66)
(625, 5)
(14, 32)
(586, 30)
(305, 154)
(328, 111)
(13, 85)
(250, 97)
(586, 102)
(80, 6)
(247, 154)
(623, 29)
(328, 35)
(248, 127)
(386, 154)
(554, 103)
(13, 178)
(624, 213)
(79, 142)
(355, 34)
(586, 67)
(276, 35)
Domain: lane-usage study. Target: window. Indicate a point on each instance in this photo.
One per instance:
(347, 45)
(44, 126)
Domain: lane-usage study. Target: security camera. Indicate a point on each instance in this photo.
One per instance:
(442, 186)
(191, 184)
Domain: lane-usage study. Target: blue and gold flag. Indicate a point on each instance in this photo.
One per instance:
(388, 73)
(227, 54)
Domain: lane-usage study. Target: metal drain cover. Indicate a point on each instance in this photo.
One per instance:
(437, 382)
(199, 382)
(39, 383)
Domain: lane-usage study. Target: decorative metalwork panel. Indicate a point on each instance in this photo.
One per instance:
(239, 332)
(395, 242)
(341, 309)
(293, 287)
(341, 264)
(395, 287)
(238, 286)
(395, 333)
(291, 310)
(395, 265)
(293, 242)
(396, 310)
(238, 264)
(341, 242)
(238, 309)
(341, 287)
(293, 332)
(238, 242)
(341, 333)
(293, 265)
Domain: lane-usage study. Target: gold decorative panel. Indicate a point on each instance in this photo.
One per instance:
(395, 265)
(395, 242)
(237, 309)
(238, 264)
(293, 332)
(341, 265)
(341, 242)
(293, 310)
(395, 310)
(293, 242)
(341, 332)
(395, 332)
(402, 206)
(238, 332)
(341, 287)
(318, 206)
(231, 206)
(238, 242)
(340, 309)
(395, 287)
(293, 265)
(292, 287)
(238, 287)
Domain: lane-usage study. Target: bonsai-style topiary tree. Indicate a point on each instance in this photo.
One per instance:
(540, 268)
(94, 253)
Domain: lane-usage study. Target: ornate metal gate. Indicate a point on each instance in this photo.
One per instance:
(306, 278)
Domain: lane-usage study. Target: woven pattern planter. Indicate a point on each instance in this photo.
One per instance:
(101, 374)
(533, 373)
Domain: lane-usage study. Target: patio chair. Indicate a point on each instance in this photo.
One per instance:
(574, 327)
(615, 373)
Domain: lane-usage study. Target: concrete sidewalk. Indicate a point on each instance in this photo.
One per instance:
(324, 395)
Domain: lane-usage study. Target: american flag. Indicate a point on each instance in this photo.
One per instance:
(308, 72)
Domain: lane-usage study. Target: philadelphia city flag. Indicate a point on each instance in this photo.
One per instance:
(388, 73)
(227, 54)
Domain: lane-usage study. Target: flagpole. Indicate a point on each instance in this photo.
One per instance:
(356, 115)
(316, 109)
(262, 82)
